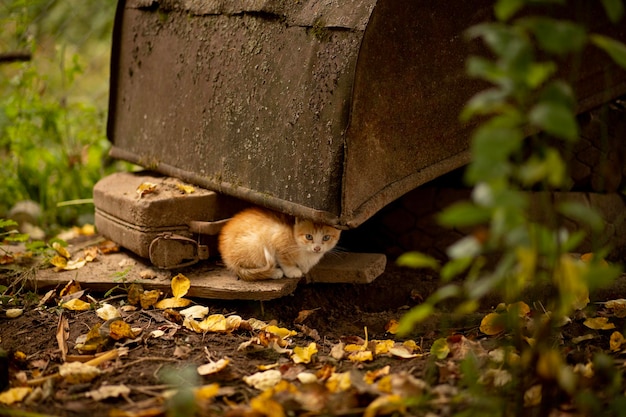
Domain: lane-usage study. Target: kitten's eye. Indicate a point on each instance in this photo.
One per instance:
(326, 238)
(309, 237)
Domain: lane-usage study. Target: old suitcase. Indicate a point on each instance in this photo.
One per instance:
(172, 223)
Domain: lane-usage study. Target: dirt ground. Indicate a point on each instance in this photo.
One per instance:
(151, 364)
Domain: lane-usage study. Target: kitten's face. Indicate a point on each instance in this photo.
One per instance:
(315, 238)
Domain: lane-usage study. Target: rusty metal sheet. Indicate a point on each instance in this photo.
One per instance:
(245, 104)
(324, 109)
(410, 86)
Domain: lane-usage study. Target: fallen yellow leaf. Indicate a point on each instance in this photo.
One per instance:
(383, 346)
(78, 372)
(206, 392)
(616, 341)
(280, 331)
(392, 326)
(173, 302)
(263, 380)
(304, 354)
(339, 382)
(213, 367)
(492, 324)
(372, 376)
(119, 329)
(185, 189)
(599, 323)
(61, 250)
(146, 188)
(107, 312)
(267, 407)
(76, 305)
(384, 405)
(180, 285)
(361, 356)
(14, 395)
(146, 299)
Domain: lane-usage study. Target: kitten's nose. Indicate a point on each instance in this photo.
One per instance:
(317, 249)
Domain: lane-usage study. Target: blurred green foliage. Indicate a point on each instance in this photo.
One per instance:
(53, 108)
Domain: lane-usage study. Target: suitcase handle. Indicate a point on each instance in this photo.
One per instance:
(207, 228)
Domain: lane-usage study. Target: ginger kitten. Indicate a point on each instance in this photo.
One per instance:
(260, 244)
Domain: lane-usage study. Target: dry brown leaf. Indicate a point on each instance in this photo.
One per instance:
(91, 253)
(134, 294)
(618, 307)
(149, 298)
(62, 334)
(70, 288)
(303, 315)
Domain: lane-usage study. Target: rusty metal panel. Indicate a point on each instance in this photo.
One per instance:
(410, 86)
(323, 109)
(247, 98)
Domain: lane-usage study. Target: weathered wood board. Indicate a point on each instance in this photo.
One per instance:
(209, 280)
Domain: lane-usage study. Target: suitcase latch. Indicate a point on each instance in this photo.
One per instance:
(169, 250)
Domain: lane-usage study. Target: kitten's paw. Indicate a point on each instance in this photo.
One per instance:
(277, 274)
(292, 272)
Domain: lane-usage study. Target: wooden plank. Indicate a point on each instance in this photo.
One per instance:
(209, 280)
(348, 268)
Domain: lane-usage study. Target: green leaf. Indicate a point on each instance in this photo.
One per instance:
(582, 213)
(4, 223)
(505, 9)
(556, 36)
(559, 91)
(485, 102)
(505, 41)
(615, 49)
(455, 267)
(463, 214)
(549, 168)
(440, 348)
(492, 146)
(539, 72)
(17, 237)
(614, 9)
(555, 119)
(484, 69)
(417, 260)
